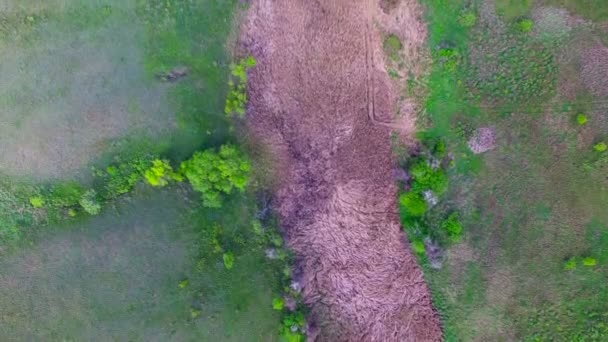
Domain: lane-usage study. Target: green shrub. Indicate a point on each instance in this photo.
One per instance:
(183, 283)
(215, 174)
(418, 247)
(467, 19)
(160, 173)
(228, 260)
(413, 204)
(450, 58)
(37, 201)
(570, 264)
(581, 119)
(89, 202)
(121, 178)
(425, 178)
(278, 304)
(452, 227)
(392, 45)
(525, 25)
(589, 261)
(237, 95)
(65, 194)
(195, 313)
(600, 147)
(293, 324)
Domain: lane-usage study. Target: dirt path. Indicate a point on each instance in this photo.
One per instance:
(321, 99)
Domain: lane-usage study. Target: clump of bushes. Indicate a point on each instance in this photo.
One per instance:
(120, 178)
(426, 178)
(237, 95)
(422, 213)
(215, 173)
(572, 262)
(450, 58)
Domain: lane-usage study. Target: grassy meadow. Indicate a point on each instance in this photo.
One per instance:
(532, 261)
(141, 271)
(86, 99)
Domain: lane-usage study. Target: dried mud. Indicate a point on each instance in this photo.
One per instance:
(322, 101)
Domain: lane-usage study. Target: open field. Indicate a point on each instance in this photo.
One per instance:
(116, 277)
(79, 78)
(533, 261)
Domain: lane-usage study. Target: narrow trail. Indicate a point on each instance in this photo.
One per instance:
(323, 104)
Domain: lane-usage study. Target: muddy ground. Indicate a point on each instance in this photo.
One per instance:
(321, 99)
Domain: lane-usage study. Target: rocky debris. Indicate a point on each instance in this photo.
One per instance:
(271, 254)
(430, 198)
(174, 74)
(290, 303)
(400, 175)
(434, 253)
(295, 286)
(483, 140)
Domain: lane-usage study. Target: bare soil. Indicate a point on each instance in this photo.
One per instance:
(321, 100)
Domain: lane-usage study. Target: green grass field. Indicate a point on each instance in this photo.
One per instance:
(79, 79)
(533, 262)
(117, 276)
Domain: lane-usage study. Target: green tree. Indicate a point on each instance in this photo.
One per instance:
(214, 174)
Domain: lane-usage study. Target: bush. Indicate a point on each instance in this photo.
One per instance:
(418, 247)
(425, 178)
(121, 178)
(570, 264)
(452, 227)
(600, 147)
(581, 119)
(589, 261)
(160, 173)
(525, 25)
(237, 95)
(89, 202)
(228, 260)
(37, 201)
(413, 204)
(183, 283)
(467, 19)
(65, 194)
(278, 304)
(392, 45)
(450, 58)
(292, 325)
(215, 174)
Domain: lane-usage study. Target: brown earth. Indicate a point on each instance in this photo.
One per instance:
(320, 98)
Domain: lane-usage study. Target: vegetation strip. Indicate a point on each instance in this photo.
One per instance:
(525, 194)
